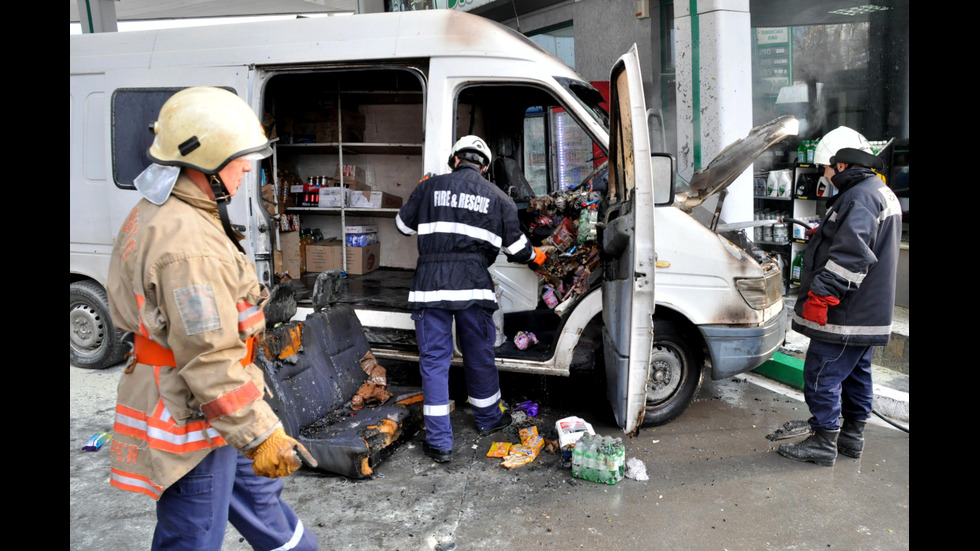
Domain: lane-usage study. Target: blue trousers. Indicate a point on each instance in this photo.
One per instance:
(837, 381)
(476, 334)
(193, 513)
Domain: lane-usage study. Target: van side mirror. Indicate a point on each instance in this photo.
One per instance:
(662, 172)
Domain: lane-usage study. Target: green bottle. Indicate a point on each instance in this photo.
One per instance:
(797, 270)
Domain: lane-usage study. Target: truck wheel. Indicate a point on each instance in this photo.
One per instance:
(674, 378)
(92, 339)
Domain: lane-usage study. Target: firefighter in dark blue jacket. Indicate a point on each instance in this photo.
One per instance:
(847, 296)
(462, 221)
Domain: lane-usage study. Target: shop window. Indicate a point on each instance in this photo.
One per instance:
(558, 41)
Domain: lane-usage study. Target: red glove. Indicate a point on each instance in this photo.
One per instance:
(815, 307)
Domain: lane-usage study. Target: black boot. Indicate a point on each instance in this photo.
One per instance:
(819, 448)
(851, 440)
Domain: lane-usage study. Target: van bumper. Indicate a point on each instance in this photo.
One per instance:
(735, 350)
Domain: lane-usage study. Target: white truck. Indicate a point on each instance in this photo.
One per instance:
(389, 94)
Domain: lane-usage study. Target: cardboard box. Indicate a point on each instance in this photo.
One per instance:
(331, 197)
(269, 199)
(355, 177)
(323, 256)
(328, 255)
(292, 260)
(373, 200)
(361, 260)
(371, 228)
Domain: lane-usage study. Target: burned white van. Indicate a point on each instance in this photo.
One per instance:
(361, 108)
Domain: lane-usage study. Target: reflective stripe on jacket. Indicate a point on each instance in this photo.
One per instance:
(853, 256)
(462, 221)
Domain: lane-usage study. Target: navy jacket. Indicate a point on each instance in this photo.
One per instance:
(462, 221)
(853, 256)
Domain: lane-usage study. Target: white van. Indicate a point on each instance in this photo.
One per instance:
(386, 95)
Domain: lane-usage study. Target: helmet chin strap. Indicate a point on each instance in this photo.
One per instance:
(222, 198)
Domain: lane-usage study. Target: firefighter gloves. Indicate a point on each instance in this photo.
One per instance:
(278, 455)
(815, 307)
(539, 257)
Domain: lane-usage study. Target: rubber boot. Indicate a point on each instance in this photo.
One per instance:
(850, 443)
(819, 448)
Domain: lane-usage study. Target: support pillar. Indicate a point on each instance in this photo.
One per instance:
(97, 16)
(714, 90)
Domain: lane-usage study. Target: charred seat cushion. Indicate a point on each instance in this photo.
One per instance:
(312, 386)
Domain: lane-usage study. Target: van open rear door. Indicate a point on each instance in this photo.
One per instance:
(628, 247)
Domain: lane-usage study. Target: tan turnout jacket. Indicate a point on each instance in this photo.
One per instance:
(180, 285)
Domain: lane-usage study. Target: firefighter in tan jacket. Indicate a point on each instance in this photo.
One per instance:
(190, 417)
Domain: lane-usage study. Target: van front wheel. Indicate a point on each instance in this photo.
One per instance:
(674, 375)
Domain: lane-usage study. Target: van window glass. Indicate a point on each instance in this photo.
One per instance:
(133, 111)
(588, 97)
(538, 146)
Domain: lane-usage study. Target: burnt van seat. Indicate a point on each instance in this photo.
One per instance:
(312, 386)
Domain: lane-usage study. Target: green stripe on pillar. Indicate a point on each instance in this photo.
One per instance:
(695, 84)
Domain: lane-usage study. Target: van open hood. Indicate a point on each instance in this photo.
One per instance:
(733, 160)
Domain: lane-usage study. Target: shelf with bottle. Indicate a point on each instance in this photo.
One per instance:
(351, 211)
(773, 185)
(806, 151)
(772, 228)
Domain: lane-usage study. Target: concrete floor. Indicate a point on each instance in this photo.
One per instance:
(715, 482)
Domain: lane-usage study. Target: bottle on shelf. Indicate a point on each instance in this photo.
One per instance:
(797, 268)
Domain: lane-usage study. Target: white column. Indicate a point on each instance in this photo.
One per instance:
(719, 58)
(97, 16)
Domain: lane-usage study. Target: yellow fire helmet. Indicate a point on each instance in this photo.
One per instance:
(205, 128)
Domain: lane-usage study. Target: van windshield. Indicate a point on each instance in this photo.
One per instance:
(588, 97)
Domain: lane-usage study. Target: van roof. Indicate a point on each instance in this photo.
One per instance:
(402, 35)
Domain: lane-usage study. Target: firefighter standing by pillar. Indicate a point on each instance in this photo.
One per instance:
(462, 221)
(192, 429)
(847, 296)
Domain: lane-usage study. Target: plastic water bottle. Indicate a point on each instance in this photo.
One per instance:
(620, 460)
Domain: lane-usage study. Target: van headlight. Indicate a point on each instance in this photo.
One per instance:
(761, 292)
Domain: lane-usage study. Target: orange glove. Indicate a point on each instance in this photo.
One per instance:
(539, 257)
(278, 455)
(815, 307)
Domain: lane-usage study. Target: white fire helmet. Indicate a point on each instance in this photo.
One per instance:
(837, 139)
(472, 149)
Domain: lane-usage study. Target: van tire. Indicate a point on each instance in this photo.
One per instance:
(93, 342)
(674, 375)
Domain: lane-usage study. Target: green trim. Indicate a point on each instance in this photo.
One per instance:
(695, 84)
(784, 369)
(88, 10)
